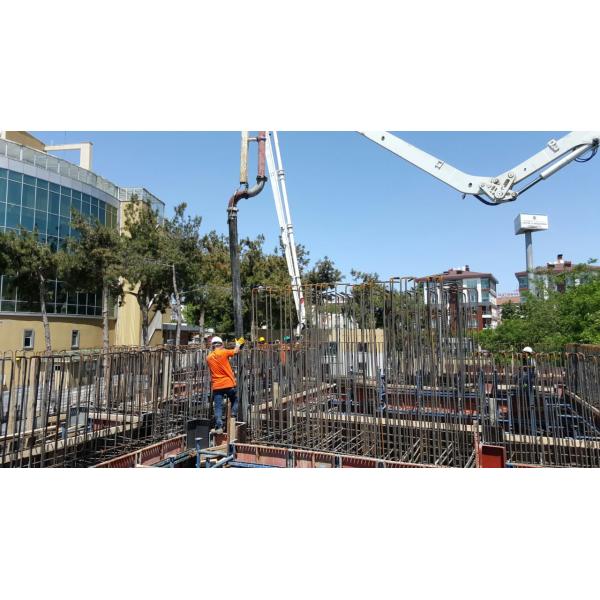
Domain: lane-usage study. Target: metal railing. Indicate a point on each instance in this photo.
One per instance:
(35, 158)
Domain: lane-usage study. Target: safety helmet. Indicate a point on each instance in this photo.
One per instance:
(527, 349)
(261, 340)
(216, 340)
(287, 338)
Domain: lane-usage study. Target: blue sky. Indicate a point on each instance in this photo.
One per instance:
(361, 205)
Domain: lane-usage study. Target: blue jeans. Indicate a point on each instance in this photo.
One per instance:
(218, 395)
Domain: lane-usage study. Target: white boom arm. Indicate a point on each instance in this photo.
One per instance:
(286, 229)
(498, 189)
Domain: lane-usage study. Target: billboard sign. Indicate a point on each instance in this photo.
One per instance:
(524, 223)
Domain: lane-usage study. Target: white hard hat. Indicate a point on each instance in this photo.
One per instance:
(216, 340)
(527, 349)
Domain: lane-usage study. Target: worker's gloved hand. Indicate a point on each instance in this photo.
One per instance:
(240, 342)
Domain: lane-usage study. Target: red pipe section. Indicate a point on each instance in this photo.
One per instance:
(260, 177)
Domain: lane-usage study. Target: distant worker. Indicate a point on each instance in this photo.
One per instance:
(528, 360)
(284, 350)
(528, 386)
(528, 370)
(222, 378)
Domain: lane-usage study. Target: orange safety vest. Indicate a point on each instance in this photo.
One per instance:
(221, 373)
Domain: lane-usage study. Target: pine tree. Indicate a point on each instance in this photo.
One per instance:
(30, 263)
(182, 251)
(93, 261)
(144, 261)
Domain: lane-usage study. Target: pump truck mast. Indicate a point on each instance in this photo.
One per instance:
(286, 228)
(500, 188)
(492, 191)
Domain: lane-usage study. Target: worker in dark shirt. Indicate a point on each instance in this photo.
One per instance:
(527, 386)
(528, 366)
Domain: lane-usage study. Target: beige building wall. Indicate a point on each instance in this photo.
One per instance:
(157, 338)
(12, 328)
(123, 331)
(122, 217)
(129, 321)
(128, 330)
(25, 139)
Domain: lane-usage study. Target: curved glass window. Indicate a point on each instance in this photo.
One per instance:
(36, 204)
(31, 202)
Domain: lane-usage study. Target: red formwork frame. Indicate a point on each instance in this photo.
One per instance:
(148, 455)
(488, 456)
(491, 457)
(277, 456)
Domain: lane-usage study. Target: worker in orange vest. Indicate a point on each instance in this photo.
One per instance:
(222, 378)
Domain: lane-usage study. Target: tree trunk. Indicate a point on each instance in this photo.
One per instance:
(105, 344)
(44, 313)
(144, 324)
(177, 310)
(201, 324)
(105, 337)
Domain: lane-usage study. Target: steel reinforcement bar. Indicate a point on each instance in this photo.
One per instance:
(389, 371)
(80, 409)
(393, 370)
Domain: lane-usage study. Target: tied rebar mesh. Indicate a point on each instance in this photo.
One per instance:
(79, 409)
(393, 371)
(390, 370)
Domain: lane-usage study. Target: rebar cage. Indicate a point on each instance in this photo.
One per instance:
(387, 370)
(79, 409)
(393, 370)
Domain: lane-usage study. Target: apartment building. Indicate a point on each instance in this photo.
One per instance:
(478, 289)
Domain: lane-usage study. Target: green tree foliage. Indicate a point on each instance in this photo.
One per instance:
(144, 265)
(510, 311)
(560, 313)
(211, 304)
(324, 272)
(368, 299)
(160, 264)
(30, 263)
(94, 261)
(364, 276)
(183, 252)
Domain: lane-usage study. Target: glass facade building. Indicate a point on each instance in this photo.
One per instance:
(142, 194)
(38, 192)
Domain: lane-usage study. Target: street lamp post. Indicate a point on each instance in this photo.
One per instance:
(527, 224)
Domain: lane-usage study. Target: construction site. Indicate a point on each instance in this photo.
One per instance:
(181, 299)
(374, 374)
(388, 375)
